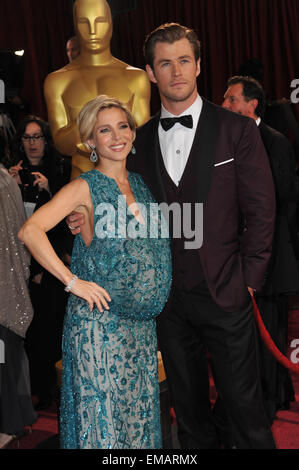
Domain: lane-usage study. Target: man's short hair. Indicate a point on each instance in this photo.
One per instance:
(169, 33)
(73, 38)
(252, 89)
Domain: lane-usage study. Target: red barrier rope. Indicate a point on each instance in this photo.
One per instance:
(269, 342)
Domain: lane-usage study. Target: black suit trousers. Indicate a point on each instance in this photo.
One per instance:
(191, 325)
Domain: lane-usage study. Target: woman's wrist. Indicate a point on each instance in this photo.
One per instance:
(71, 283)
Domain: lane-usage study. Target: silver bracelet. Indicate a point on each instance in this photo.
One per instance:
(71, 283)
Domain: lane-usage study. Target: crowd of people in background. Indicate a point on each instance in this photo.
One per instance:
(32, 172)
(37, 171)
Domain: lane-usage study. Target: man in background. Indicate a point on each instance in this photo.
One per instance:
(72, 48)
(246, 96)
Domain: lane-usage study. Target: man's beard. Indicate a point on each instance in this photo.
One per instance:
(179, 99)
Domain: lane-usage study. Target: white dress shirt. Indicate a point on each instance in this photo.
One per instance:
(176, 143)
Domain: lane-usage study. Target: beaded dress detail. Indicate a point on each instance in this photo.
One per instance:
(110, 389)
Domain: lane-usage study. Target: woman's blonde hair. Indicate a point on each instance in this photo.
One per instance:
(88, 115)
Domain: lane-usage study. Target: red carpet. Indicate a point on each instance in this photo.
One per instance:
(44, 430)
(285, 427)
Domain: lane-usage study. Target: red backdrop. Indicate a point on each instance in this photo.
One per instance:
(41, 27)
(231, 31)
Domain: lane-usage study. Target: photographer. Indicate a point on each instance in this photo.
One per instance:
(39, 169)
(40, 172)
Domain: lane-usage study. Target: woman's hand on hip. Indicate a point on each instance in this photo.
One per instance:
(92, 293)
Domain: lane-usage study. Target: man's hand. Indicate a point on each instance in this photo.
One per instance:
(74, 222)
(251, 291)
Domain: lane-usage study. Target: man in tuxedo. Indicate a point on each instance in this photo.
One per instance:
(214, 157)
(217, 158)
(246, 96)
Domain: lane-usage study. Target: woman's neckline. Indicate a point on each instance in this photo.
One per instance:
(110, 177)
(121, 193)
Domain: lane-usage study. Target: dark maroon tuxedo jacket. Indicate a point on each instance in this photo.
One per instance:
(231, 174)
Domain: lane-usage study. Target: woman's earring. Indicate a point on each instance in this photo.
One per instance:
(93, 156)
(133, 150)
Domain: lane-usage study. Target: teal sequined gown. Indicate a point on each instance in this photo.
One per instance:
(110, 389)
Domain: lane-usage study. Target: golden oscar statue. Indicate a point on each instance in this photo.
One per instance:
(95, 71)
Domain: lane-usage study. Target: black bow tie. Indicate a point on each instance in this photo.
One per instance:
(168, 123)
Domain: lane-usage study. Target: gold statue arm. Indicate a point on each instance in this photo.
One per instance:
(142, 96)
(65, 132)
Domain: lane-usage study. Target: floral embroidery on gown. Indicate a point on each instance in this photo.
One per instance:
(110, 389)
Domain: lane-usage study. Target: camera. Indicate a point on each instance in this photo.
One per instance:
(26, 177)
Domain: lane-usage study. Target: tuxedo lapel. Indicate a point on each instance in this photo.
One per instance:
(202, 154)
(200, 165)
(154, 171)
(204, 148)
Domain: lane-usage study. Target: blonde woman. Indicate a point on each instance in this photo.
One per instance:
(119, 282)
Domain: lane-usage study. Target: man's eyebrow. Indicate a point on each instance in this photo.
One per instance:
(186, 56)
(163, 60)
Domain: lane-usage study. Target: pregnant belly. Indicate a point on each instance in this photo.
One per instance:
(135, 273)
(139, 282)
